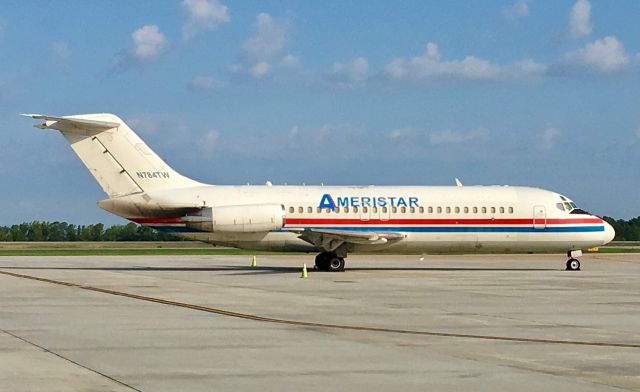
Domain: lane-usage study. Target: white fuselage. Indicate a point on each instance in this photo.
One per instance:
(431, 218)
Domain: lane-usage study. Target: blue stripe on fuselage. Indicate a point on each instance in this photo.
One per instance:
(423, 229)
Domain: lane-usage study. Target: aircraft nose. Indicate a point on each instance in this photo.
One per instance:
(609, 233)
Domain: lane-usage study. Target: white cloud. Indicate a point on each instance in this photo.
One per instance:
(430, 66)
(262, 49)
(547, 138)
(516, 10)
(204, 82)
(457, 137)
(148, 41)
(350, 73)
(604, 55)
(209, 140)
(61, 52)
(579, 19)
(290, 60)
(268, 39)
(259, 69)
(401, 133)
(203, 15)
(235, 68)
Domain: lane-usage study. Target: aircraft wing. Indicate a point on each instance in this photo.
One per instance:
(330, 239)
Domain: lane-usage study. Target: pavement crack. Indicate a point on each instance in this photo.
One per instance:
(70, 360)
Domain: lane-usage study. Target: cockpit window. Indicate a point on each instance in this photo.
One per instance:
(578, 211)
(570, 207)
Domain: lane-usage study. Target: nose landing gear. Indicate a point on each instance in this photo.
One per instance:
(573, 264)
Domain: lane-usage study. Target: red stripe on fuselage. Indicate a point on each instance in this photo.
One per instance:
(351, 221)
(393, 221)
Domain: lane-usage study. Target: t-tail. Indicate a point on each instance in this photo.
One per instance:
(116, 157)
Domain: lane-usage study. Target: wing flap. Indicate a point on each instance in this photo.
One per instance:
(331, 239)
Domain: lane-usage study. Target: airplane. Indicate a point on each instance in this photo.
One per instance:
(330, 220)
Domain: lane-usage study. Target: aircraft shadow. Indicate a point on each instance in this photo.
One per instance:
(247, 270)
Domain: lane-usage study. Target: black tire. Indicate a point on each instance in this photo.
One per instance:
(573, 265)
(323, 259)
(336, 264)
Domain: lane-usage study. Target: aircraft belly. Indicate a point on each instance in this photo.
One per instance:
(533, 242)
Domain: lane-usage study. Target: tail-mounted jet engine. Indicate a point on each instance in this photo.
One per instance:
(249, 218)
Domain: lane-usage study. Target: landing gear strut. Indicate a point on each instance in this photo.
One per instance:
(329, 261)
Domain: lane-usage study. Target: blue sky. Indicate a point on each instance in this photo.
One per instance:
(540, 93)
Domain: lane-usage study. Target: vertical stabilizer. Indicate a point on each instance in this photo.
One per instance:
(118, 159)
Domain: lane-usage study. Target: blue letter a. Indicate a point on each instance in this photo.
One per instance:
(327, 202)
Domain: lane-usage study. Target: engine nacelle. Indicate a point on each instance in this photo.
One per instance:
(248, 218)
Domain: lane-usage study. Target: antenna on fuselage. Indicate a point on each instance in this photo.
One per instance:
(458, 183)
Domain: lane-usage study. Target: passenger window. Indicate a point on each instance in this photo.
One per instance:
(328, 210)
(511, 210)
(355, 210)
(412, 210)
(457, 210)
(291, 210)
(384, 209)
(421, 210)
(484, 210)
(365, 209)
(466, 210)
(448, 210)
(346, 210)
(403, 209)
(493, 210)
(394, 209)
(475, 210)
(337, 209)
(439, 210)
(300, 210)
(502, 210)
(430, 210)
(374, 210)
(319, 210)
(309, 210)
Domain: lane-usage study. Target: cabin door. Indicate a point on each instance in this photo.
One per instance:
(539, 217)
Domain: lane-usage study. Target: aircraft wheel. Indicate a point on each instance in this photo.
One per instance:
(323, 261)
(336, 264)
(573, 265)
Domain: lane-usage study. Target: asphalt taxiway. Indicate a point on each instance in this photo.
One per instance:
(166, 323)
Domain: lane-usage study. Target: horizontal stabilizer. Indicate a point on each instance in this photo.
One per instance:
(53, 122)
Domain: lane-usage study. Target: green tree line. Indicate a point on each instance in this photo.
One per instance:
(63, 231)
(626, 230)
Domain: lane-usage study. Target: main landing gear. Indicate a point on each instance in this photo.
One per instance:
(329, 261)
(573, 264)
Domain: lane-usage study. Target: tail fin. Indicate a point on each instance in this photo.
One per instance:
(118, 159)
